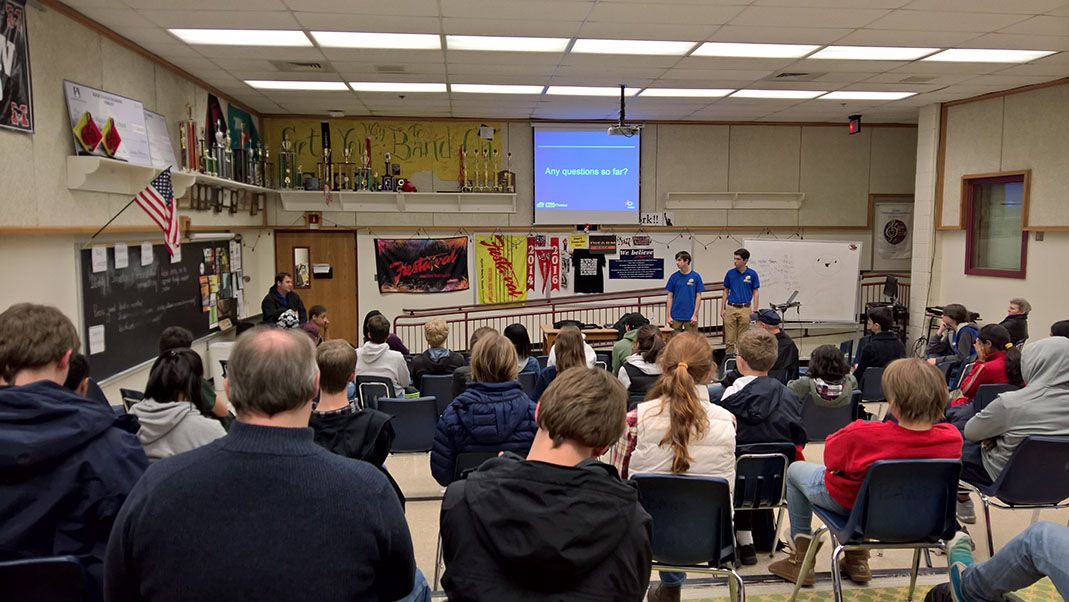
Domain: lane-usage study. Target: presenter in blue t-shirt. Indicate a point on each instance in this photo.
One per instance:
(684, 295)
(741, 299)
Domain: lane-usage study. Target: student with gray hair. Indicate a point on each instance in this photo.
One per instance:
(1016, 320)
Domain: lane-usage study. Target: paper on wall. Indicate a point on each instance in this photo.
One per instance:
(122, 257)
(100, 259)
(96, 339)
(146, 253)
(177, 257)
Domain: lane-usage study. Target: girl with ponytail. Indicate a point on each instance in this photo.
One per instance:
(997, 361)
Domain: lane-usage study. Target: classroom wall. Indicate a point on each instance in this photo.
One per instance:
(1028, 130)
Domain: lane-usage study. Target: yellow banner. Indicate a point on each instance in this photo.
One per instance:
(501, 268)
(578, 241)
(415, 145)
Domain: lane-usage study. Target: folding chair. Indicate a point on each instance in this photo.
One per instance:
(780, 375)
(371, 388)
(130, 397)
(761, 479)
(1035, 477)
(604, 357)
(53, 578)
(543, 361)
(985, 394)
(527, 381)
(692, 528)
(819, 422)
(414, 421)
(847, 349)
(438, 386)
(466, 463)
(872, 388)
(905, 504)
(961, 377)
(602, 365)
(729, 365)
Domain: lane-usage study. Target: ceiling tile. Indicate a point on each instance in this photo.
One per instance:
(389, 57)
(819, 65)
(599, 80)
(1019, 42)
(844, 77)
(1006, 81)
(145, 35)
(408, 8)
(719, 74)
(372, 23)
(565, 10)
(1044, 26)
(898, 77)
(921, 20)
(213, 5)
(683, 14)
(779, 35)
(621, 74)
(1024, 7)
(769, 16)
(114, 18)
(494, 27)
(82, 4)
(474, 71)
(895, 37)
(595, 61)
(511, 59)
(648, 31)
(163, 47)
(190, 64)
(1050, 71)
(939, 68)
(364, 69)
(834, 3)
(219, 19)
(244, 64)
(742, 64)
(260, 52)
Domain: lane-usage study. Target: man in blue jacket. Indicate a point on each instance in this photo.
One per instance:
(65, 469)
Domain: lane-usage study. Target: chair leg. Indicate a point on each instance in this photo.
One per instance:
(775, 534)
(987, 523)
(913, 573)
(438, 563)
(927, 558)
(836, 578)
(1035, 516)
(808, 561)
(736, 588)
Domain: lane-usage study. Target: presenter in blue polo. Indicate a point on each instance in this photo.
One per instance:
(684, 295)
(741, 294)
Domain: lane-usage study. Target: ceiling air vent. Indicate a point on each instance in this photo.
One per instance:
(789, 76)
(918, 79)
(293, 67)
(389, 68)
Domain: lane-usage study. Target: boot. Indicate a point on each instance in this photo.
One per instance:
(856, 566)
(658, 592)
(789, 567)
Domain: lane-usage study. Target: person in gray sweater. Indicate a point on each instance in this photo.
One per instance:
(174, 414)
(1040, 408)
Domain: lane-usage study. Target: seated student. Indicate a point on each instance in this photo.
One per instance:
(916, 395)
(492, 414)
(881, 347)
(589, 354)
(375, 358)
(559, 525)
(766, 412)
(954, 343)
(1038, 551)
(312, 330)
(828, 382)
(521, 340)
(641, 369)
(1060, 329)
(678, 432)
(436, 359)
(786, 351)
(1016, 320)
(338, 425)
(78, 375)
(990, 368)
(174, 415)
(392, 339)
(318, 316)
(462, 375)
(571, 353)
(176, 337)
(65, 469)
(630, 322)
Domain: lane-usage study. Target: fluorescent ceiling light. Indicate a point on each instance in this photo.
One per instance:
(506, 44)
(873, 53)
(588, 91)
(288, 85)
(777, 94)
(396, 87)
(388, 41)
(857, 95)
(773, 51)
(242, 37)
(686, 92)
(631, 47)
(494, 89)
(988, 55)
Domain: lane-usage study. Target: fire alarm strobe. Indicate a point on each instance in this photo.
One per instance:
(855, 124)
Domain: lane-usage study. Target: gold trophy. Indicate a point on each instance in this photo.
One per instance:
(286, 161)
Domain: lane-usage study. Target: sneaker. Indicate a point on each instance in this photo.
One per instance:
(966, 512)
(939, 593)
(658, 592)
(956, 571)
(960, 549)
(747, 554)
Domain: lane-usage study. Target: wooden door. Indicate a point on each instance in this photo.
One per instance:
(338, 292)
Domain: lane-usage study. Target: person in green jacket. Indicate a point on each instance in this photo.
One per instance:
(631, 322)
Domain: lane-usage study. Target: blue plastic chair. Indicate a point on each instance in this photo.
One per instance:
(985, 394)
(438, 386)
(728, 366)
(527, 381)
(692, 528)
(847, 349)
(543, 361)
(130, 397)
(414, 420)
(906, 504)
(872, 388)
(819, 422)
(961, 377)
(1035, 477)
(53, 578)
(466, 463)
(371, 388)
(761, 479)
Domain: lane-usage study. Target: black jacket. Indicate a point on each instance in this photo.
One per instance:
(878, 350)
(441, 361)
(366, 435)
(1017, 325)
(274, 304)
(517, 530)
(640, 383)
(787, 358)
(767, 412)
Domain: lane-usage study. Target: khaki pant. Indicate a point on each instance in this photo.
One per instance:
(681, 325)
(736, 322)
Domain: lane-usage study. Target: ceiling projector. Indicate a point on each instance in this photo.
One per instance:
(621, 128)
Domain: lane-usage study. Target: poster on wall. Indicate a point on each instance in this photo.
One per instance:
(16, 91)
(107, 125)
(544, 271)
(501, 268)
(422, 265)
(159, 141)
(894, 235)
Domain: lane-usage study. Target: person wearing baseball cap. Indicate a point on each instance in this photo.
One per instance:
(787, 360)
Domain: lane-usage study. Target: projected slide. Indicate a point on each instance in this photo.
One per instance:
(585, 177)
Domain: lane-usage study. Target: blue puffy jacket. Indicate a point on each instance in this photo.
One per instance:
(485, 417)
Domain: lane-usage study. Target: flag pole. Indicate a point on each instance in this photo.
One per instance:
(113, 218)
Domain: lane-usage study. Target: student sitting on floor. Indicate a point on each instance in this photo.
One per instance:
(916, 396)
(828, 382)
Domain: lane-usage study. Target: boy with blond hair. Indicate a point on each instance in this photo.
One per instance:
(437, 358)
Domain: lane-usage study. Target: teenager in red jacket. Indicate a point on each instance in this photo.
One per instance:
(916, 395)
(991, 366)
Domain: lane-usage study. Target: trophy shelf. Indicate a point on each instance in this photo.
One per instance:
(101, 174)
(734, 200)
(210, 180)
(399, 202)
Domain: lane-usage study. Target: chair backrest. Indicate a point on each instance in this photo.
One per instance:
(543, 361)
(871, 385)
(729, 365)
(760, 474)
(819, 422)
(985, 394)
(780, 375)
(54, 578)
(527, 381)
(847, 349)
(469, 461)
(438, 386)
(961, 377)
(601, 364)
(1036, 473)
(414, 422)
(691, 518)
(130, 397)
(370, 393)
(905, 501)
(603, 356)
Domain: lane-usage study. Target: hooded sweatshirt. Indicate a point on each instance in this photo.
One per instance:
(517, 530)
(173, 427)
(825, 394)
(485, 417)
(436, 360)
(65, 470)
(767, 412)
(638, 376)
(377, 359)
(1040, 408)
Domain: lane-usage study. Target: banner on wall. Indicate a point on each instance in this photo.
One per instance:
(16, 92)
(501, 268)
(422, 265)
(894, 235)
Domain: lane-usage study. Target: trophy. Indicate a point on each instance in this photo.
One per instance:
(187, 139)
(240, 155)
(462, 177)
(228, 157)
(475, 164)
(286, 162)
(486, 170)
(207, 158)
(347, 168)
(217, 151)
(363, 177)
(325, 169)
(506, 179)
(497, 184)
(387, 179)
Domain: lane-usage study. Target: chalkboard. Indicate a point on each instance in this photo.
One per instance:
(134, 304)
(825, 274)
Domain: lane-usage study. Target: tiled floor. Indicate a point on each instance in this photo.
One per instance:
(412, 472)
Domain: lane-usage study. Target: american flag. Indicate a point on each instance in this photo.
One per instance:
(157, 199)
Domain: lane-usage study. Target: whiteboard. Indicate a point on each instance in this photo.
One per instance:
(825, 273)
